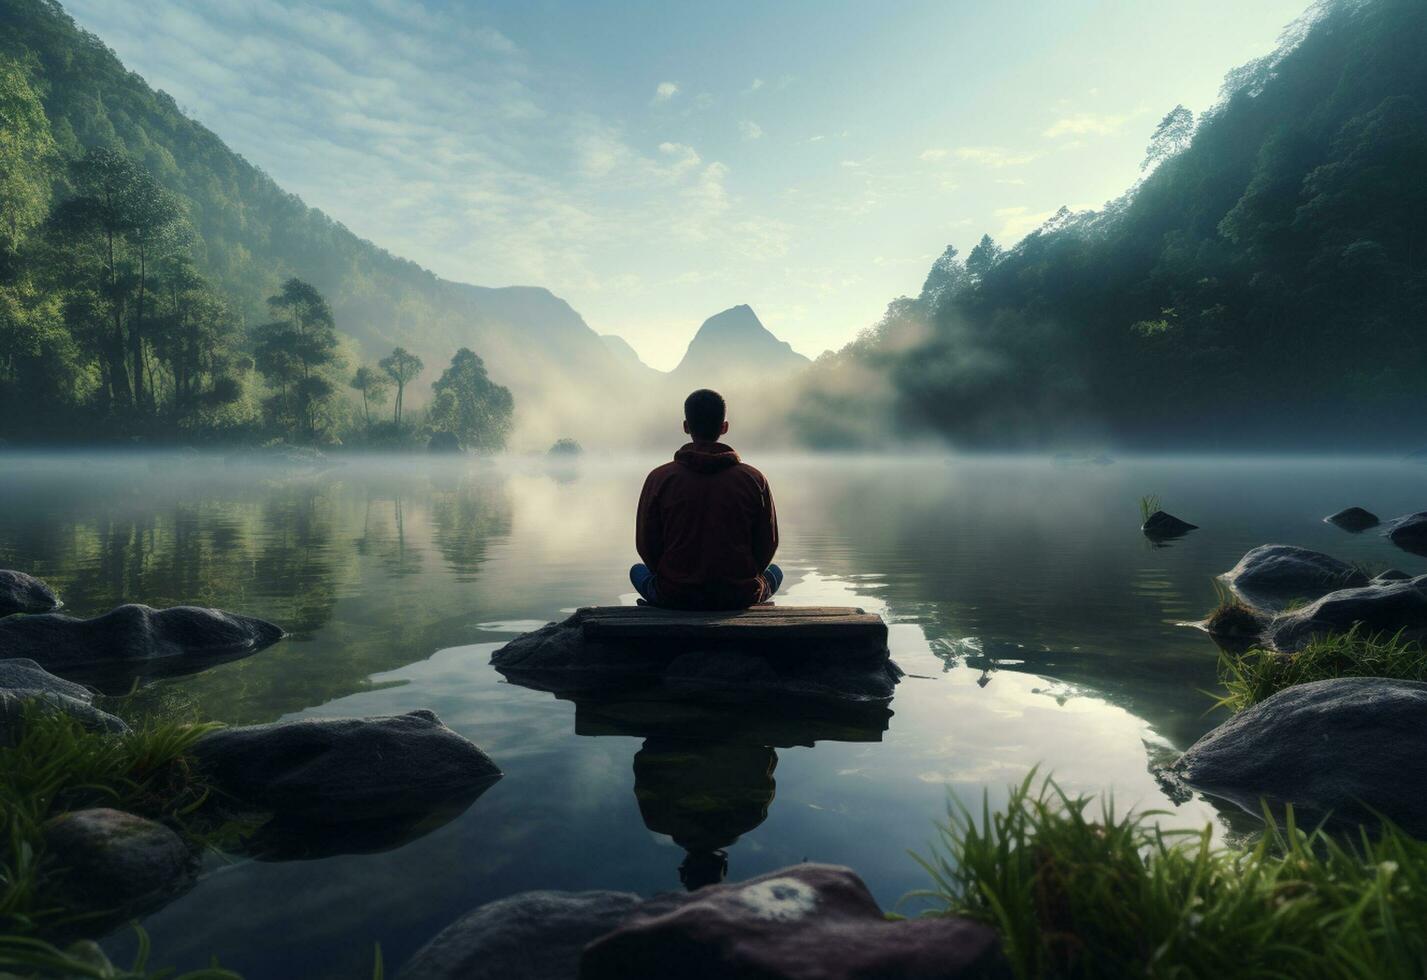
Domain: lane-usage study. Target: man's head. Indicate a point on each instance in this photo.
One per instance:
(704, 412)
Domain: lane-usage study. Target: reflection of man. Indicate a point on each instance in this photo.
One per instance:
(706, 528)
(704, 795)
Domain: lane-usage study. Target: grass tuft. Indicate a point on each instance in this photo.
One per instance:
(1077, 890)
(1149, 503)
(1256, 674)
(55, 766)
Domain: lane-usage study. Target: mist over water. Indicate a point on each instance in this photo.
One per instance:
(1037, 627)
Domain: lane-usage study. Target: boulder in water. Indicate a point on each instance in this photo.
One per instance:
(443, 442)
(799, 923)
(1391, 575)
(1410, 533)
(1349, 746)
(135, 640)
(1353, 519)
(1377, 609)
(22, 593)
(337, 771)
(1160, 525)
(530, 936)
(24, 682)
(814, 653)
(112, 866)
(1273, 574)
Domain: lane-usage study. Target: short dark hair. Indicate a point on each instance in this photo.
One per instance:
(704, 410)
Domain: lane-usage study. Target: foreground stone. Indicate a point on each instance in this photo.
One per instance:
(340, 770)
(25, 683)
(1276, 573)
(815, 653)
(1347, 746)
(807, 922)
(1387, 607)
(1162, 525)
(1353, 519)
(136, 639)
(114, 866)
(1410, 533)
(531, 936)
(22, 593)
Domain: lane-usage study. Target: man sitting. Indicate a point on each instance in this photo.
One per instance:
(706, 526)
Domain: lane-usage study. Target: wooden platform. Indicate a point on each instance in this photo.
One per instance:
(759, 624)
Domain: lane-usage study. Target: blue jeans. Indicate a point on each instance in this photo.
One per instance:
(642, 578)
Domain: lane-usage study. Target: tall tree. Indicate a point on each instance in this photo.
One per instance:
(296, 351)
(1171, 137)
(468, 403)
(401, 366)
(27, 150)
(373, 385)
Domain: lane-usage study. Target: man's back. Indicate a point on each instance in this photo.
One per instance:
(707, 529)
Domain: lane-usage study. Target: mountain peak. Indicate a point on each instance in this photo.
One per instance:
(736, 344)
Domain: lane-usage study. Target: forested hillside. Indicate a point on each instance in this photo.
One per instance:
(236, 234)
(1265, 284)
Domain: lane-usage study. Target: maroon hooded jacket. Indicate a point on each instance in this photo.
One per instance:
(707, 529)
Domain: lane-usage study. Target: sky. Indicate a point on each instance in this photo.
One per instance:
(654, 163)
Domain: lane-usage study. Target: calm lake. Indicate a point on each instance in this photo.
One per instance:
(1036, 625)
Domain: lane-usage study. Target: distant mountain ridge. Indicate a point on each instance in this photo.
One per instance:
(735, 346)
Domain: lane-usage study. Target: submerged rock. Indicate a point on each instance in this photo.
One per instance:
(807, 922)
(1410, 533)
(135, 640)
(111, 866)
(24, 682)
(336, 771)
(1272, 574)
(443, 442)
(1353, 519)
(1161, 525)
(561, 658)
(530, 936)
(1349, 746)
(1384, 608)
(22, 593)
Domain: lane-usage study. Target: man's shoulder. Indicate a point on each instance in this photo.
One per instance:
(751, 471)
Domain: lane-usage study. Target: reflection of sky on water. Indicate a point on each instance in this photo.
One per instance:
(1035, 625)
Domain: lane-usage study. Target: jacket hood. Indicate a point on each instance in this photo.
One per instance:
(706, 457)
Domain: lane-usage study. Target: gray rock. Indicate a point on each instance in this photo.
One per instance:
(1346, 746)
(1353, 519)
(338, 770)
(135, 640)
(21, 593)
(1391, 575)
(114, 866)
(559, 658)
(25, 683)
(444, 442)
(807, 922)
(1162, 525)
(1410, 533)
(531, 936)
(1276, 573)
(1379, 608)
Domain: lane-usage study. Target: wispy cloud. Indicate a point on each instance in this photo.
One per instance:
(994, 156)
(664, 91)
(753, 86)
(1018, 222)
(1086, 124)
(934, 153)
(750, 130)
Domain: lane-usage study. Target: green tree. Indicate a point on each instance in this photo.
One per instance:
(1171, 137)
(295, 352)
(401, 366)
(471, 405)
(373, 385)
(27, 151)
